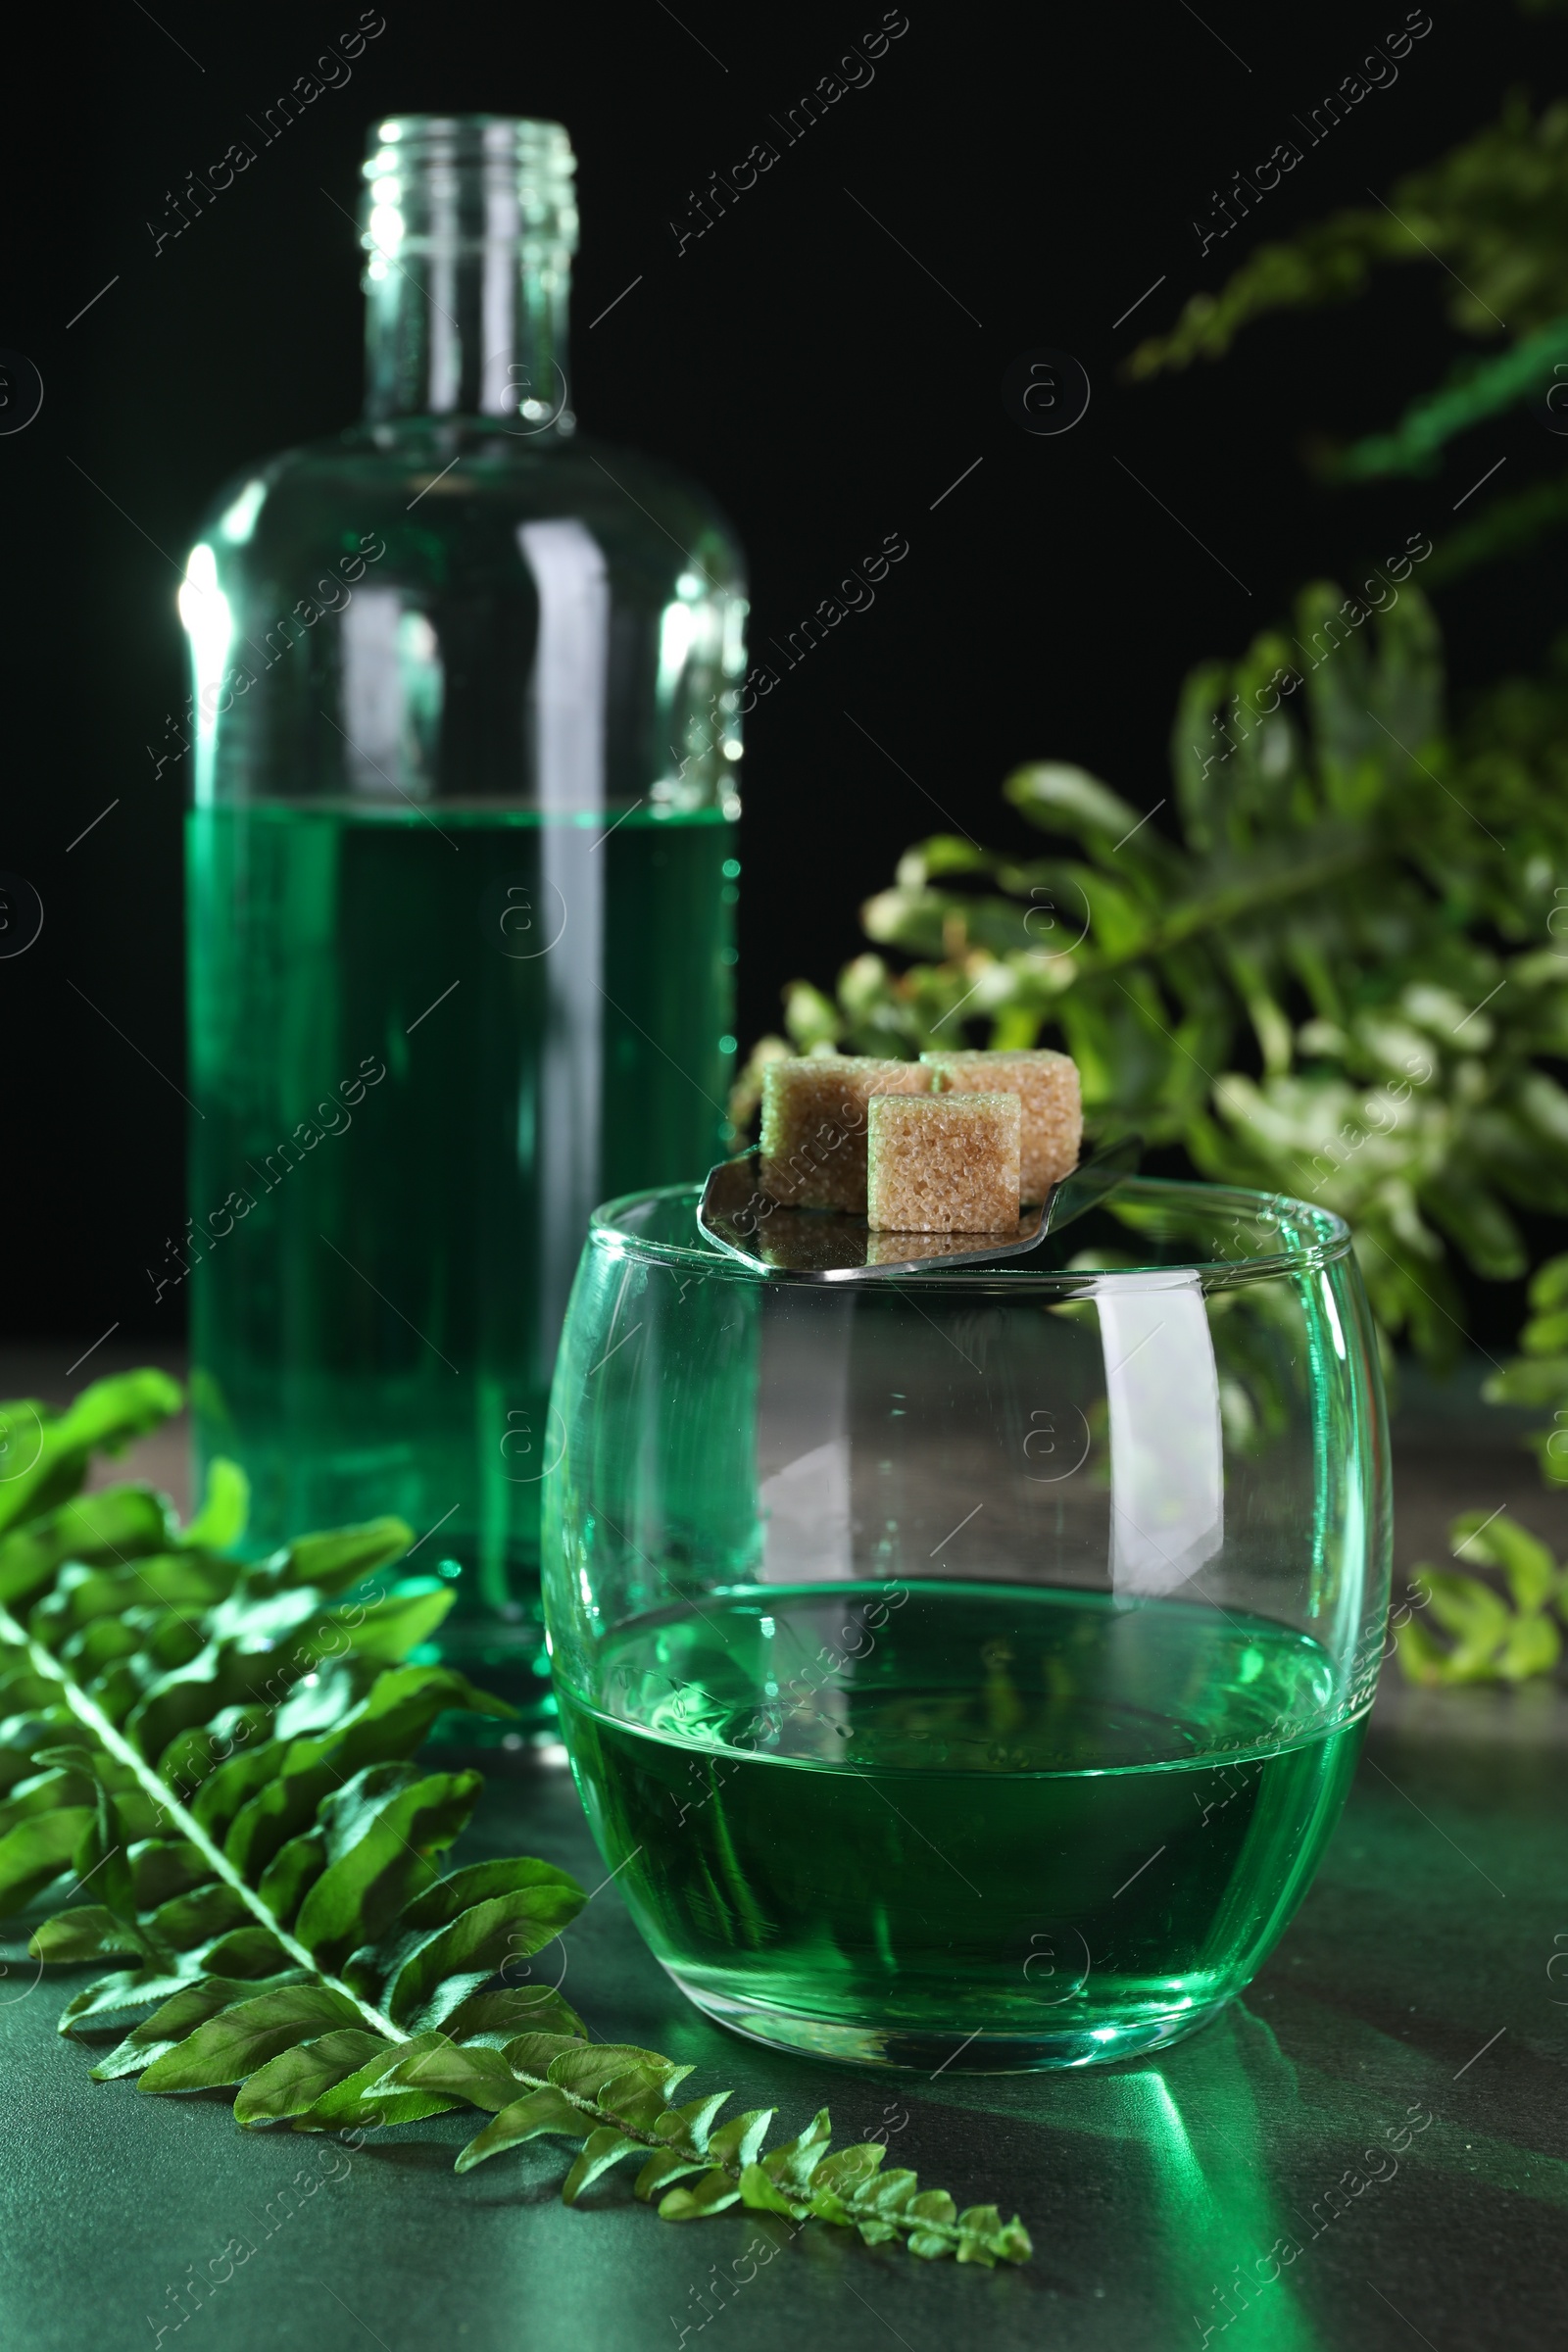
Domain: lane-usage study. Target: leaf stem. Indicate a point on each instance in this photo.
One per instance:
(605, 2117)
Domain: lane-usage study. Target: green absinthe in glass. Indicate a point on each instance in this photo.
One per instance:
(965, 1670)
(461, 870)
(1025, 1823)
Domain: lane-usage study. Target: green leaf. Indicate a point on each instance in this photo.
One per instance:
(239, 2040)
(15, 1765)
(535, 2053)
(1069, 800)
(116, 1524)
(764, 2195)
(1534, 1646)
(322, 1702)
(46, 1453)
(1500, 1543)
(337, 1561)
(177, 2008)
(88, 1932)
(847, 2168)
(1549, 1284)
(1471, 392)
(737, 2142)
(290, 1874)
(246, 1952)
(638, 2097)
(715, 2191)
(163, 1867)
(587, 2067)
(888, 2192)
(451, 1962)
(209, 1911)
(235, 1780)
(225, 1507)
(602, 2148)
(688, 2127)
(933, 2205)
(296, 2079)
(45, 1793)
(186, 1763)
(83, 1598)
(790, 2168)
(357, 2100)
(388, 1629)
(482, 1881)
(1422, 1656)
(478, 2075)
(35, 1852)
(381, 1835)
(384, 1727)
(544, 2110)
(1547, 1335)
(667, 2164)
(984, 2237)
(1465, 1606)
(499, 2017)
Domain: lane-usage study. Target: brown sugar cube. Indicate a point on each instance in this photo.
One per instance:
(1047, 1084)
(905, 1249)
(944, 1163)
(815, 1124)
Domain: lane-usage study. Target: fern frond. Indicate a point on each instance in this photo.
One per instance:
(220, 1758)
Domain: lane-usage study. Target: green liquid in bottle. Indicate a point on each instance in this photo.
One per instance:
(1028, 1821)
(375, 1331)
(465, 739)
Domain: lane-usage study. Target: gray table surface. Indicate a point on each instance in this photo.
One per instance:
(1410, 2001)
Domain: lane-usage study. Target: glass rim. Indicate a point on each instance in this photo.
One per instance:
(1318, 1238)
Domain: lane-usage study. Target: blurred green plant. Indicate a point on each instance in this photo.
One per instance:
(1361, 906)
(1346, 977)
(1538, 1376)
(1497, 1636)
(1493, 215)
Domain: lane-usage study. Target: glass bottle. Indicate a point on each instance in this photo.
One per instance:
(462, 876)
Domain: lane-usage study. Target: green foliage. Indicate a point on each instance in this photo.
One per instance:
(1503, 527)
(1497, 1636)
(221, 1756)
(1492, 215)
(1358, 905)
(1538, 1377)
(1491, 219)
(1475, 389)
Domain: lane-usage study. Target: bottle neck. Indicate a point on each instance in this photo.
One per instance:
(468, 225)
(470, 330)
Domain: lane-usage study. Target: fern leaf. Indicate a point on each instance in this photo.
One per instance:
(223, 1757)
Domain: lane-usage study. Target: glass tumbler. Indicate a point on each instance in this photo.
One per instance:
(968, 1668)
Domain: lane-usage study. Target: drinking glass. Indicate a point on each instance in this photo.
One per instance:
(967, 1669)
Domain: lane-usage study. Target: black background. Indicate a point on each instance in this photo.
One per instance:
(1031, 172)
